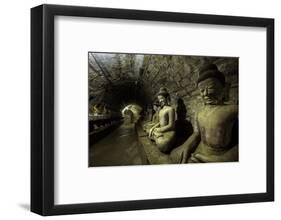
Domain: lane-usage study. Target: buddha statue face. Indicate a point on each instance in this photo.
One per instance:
(211, 90)
(162, 100)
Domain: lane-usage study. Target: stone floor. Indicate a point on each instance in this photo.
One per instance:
(120, 147)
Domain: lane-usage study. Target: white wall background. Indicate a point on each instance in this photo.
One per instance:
(15, 108)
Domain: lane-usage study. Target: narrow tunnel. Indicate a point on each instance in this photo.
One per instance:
(122, 90)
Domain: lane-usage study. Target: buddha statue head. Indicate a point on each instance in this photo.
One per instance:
(211, 83)
(163, 97)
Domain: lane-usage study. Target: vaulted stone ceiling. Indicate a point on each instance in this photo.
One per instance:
(121, 79)
(115, 79)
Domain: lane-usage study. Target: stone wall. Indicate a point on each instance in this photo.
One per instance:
(122, 79)
(179, 75)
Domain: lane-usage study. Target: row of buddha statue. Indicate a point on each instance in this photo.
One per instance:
(212, 137)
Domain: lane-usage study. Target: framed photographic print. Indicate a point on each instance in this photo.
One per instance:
(136, 109)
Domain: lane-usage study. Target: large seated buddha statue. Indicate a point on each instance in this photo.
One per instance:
(213, 139)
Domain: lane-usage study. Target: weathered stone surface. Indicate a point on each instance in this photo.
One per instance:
(177, 73)
(177, 77)
(185, 82)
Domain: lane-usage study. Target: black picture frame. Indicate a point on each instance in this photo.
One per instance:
(42, 108)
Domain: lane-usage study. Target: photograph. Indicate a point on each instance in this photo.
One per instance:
(148, 109)
(175, 109)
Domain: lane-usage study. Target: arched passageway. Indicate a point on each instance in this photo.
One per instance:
(123, 88)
